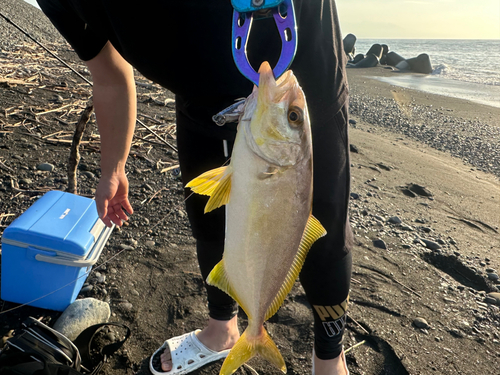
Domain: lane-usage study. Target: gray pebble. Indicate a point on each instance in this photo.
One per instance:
(150, 243)
(127, 306)
(493, 297)
(421, 323)
(87, 288)
(111, 336)
(379, 244)
(126, 247)
(431, 244)
(25, 181)
(493, 276)
(419, 241)
(490, 270)
(101, 279)
(88, 174)
(134, 292)
(45, 167)
(82, 314)
(395, 220)
(456, 332)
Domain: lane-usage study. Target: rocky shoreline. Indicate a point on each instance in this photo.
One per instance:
(424, 208)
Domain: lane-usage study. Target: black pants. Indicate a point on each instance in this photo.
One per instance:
(327, 270)
(319, 66)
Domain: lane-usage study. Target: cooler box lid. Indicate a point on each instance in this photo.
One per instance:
(58, 221)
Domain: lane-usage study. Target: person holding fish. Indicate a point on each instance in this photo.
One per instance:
(272, 229)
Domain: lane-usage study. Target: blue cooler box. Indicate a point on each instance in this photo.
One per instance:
(48, 252)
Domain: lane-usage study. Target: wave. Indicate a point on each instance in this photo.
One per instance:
(441, 69)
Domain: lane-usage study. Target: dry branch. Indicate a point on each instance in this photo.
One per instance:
(74, 157)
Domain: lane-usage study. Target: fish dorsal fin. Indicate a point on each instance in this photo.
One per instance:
(218, 277)
(216, 183)
(313, 231)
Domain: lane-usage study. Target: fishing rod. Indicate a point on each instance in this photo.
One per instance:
(79, 75)
(45, 48)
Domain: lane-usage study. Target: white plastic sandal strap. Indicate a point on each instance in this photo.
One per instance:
(188, 354)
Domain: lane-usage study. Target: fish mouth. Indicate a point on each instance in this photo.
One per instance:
(267, 83)
(270, 89)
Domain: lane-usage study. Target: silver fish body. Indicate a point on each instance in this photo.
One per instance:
(267, 189)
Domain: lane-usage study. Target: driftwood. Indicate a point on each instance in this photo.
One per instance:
(74, 157)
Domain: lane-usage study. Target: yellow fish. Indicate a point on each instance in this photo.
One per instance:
(267, 190)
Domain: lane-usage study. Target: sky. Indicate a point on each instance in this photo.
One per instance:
(420, 19)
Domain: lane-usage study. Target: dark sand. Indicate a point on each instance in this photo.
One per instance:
(155, 287)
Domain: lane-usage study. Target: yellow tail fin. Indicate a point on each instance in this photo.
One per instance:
(247, 348)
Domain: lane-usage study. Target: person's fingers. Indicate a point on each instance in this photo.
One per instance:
(127, 206)
(107, 222)
(113, 216)
(121, 214)
(102, 210)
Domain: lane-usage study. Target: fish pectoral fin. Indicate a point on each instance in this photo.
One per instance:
(247, 348)
(313, 231)
(218, 278)
(216, 183)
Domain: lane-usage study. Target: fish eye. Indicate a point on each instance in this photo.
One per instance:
(295, 116)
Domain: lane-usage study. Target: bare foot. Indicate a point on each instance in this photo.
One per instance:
(335, 366)
(218, 335)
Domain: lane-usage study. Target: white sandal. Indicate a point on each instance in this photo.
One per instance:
(188, 354)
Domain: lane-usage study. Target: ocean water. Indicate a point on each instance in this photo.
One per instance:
(466, 69)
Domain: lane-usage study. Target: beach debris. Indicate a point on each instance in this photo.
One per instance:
(354, 346)
(80, 315)
(74, 156)
(272, 153)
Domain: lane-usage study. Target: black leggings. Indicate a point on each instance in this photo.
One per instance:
(319, 66)
(327, 270)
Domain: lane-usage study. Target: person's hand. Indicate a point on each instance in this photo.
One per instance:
(112, 199)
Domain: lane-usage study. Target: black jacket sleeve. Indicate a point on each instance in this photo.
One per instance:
(86, 42)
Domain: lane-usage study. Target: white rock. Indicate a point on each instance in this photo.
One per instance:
(80, 315)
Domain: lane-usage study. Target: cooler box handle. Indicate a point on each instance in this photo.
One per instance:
(90, 261)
